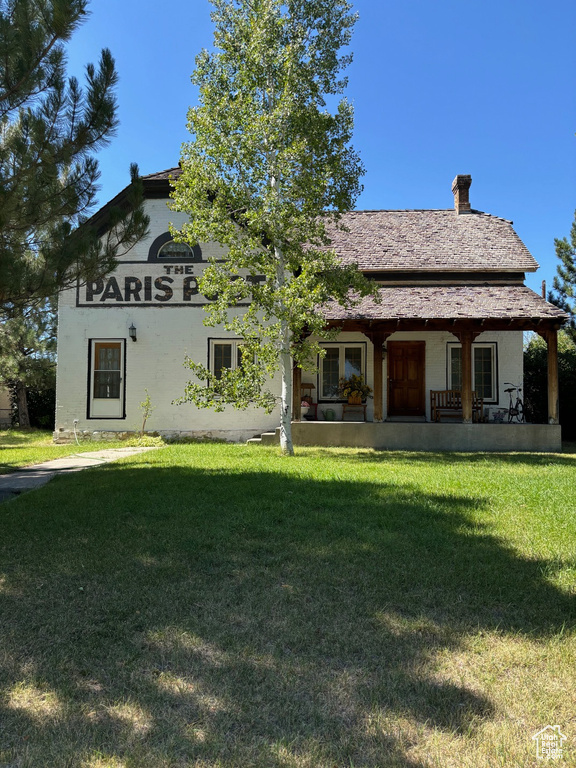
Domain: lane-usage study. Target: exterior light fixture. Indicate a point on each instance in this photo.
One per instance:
(132, 332)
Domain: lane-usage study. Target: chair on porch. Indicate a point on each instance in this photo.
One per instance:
(448, 402)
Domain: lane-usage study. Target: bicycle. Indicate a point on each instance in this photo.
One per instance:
(515, 409)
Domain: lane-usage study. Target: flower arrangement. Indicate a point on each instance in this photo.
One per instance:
(354, 387)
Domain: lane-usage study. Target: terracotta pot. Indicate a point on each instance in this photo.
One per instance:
(355, 399)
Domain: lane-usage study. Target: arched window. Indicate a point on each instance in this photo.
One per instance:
(173, 250)
(165, 249)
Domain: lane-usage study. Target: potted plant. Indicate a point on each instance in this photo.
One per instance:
(354, 389)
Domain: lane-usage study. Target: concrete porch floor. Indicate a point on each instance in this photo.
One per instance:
(414, 436)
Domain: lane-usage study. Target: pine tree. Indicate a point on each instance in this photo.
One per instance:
(269, 167)
(50, 129)
(564, 284)
(28, 352)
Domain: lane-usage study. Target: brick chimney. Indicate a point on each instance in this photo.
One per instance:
(460, 188)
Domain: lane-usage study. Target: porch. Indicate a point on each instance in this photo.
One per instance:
(409, 337)
(418, 436)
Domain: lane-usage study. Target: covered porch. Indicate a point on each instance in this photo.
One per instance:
(400, 417)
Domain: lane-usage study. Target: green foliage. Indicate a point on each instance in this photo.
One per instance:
(564, 284)
(51, 127)
(28, 345)
(269, 168)
(41, 407)
(536, 382)
(355, 385)
(28, 362)
(146, 407)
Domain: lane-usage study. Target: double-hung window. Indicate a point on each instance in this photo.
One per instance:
(106, 379)
(224, 353)
(484, 370)
(341, 361)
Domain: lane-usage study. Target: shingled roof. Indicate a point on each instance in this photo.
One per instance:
(458, 302)
(414, 240)
(169, 173)
(430, 241)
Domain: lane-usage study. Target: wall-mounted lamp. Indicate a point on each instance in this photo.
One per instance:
(132, 332)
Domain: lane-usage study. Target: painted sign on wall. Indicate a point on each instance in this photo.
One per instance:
(145, 284)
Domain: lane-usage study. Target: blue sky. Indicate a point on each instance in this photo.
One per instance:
(439, 87)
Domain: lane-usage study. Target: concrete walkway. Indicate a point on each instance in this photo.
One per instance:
(39, 474)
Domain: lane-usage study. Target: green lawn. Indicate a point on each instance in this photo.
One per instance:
(218, 606)
(21, 448)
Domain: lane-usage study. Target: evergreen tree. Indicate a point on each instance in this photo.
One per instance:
(564, 286)
(28, 353)
(50, 128)
(269, 167)
(536, 381)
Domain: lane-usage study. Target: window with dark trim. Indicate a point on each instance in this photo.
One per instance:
(484, 369)
(340, 361)
(106, 379)
(224, 354)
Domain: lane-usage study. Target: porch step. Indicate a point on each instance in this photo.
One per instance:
(270, 438)
(266, 438)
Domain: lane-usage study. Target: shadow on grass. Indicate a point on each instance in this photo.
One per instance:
(445, 457)
(178, 616)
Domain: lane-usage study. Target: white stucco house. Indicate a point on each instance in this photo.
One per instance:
(451, 318)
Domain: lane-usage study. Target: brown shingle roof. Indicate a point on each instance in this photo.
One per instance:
(163, 175)
(472, 302)
(415, 240)
(431, 241)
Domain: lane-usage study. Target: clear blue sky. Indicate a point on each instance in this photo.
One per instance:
(440, 87)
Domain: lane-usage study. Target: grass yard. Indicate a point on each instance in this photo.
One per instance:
(218, 606)
(21, 448)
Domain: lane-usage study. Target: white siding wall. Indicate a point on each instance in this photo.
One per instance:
(155, 361)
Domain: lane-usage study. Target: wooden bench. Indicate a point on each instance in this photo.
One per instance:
(449, 403)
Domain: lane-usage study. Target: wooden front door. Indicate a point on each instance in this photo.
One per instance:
(406, 378)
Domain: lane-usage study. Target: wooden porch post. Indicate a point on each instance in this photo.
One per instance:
(378, 341)
(553, 404)
(466, 341)
(378, 338)
(296, 393)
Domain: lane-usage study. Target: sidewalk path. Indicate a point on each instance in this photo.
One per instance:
(25, 479)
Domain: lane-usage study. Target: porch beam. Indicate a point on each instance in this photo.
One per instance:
(453, 326)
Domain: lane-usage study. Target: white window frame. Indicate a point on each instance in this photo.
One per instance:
(342, 346)
(234, 343)
(112, 407)
(493, 346)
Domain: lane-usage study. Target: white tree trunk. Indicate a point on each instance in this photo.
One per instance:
(286, 445)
